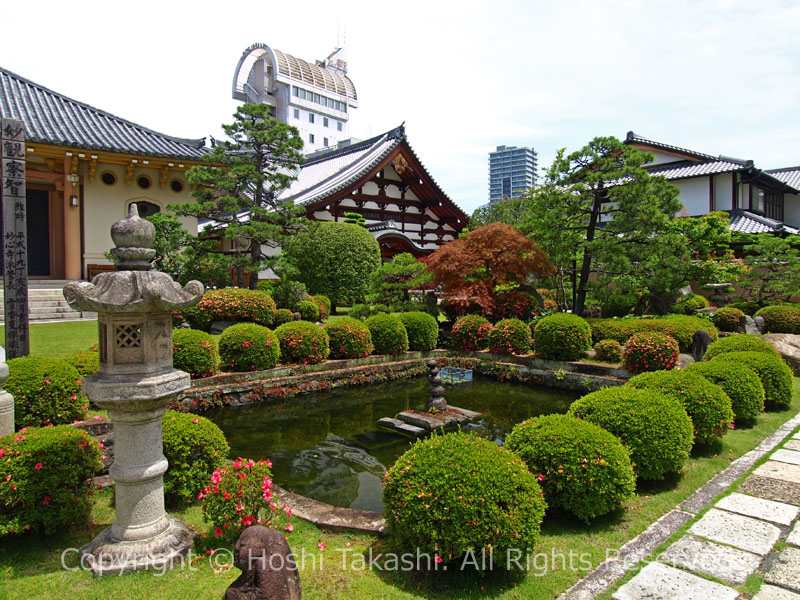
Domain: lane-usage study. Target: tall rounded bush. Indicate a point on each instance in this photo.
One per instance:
(248, 347)
(388, 334)
(309, 311)
(46, 391)
(510, 336)
(775, 375)
(706, 403)
(727, 318)
(650, 351)
(193, 447)
(302, 343)
(653, 426)
(195, 352)
(349, 338)
(471, 333)
(422, 330)
(584, 470)
(740, 343)
(46, 479)
(562, 336)
(740, 383)
(457, 492)
(231, 304)
(780, 318)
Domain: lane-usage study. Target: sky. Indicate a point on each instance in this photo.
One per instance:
(721, 77)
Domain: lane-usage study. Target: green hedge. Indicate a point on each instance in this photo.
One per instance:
(86, 362)
(303, 343)
(653, 426)
(248, 347)
(470, 333)
(194, 448)
(231, 304)
(650, 351)
(727, 318)
(706, 403)
(195, 352)
(740, 383)
(748, 308)
(288, 294)
(283, 315)
(619, 305)
(45, 479)
(775, 375)
(781, 318)
(510, 336)
(609, 351)
(349, 338)
(422, 330)
(688, 304)
(324, 304)
(744, 342)
(583, 469)
(388, 333)
(678, 327)
(562, 336)
(46, 391)
(309, 311)
(452, 493)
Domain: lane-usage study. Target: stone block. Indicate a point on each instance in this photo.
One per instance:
(791, 457)
(779, 470)
(766, 510)
(792, 445)
(770, 592)
(772, 489)
(398, 425)
(784, 569)
(426, 422)
(470, 415)
(735, 530)
(794, 536)
(657, 581)
(725, 563)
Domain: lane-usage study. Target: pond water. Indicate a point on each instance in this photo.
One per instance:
(327, 446)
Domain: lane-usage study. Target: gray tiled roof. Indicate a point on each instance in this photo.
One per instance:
(788, 175)
(632, 137)
(743, 221)
(688, 168)
(52, 118)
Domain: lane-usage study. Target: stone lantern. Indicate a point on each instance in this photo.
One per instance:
(135, 382)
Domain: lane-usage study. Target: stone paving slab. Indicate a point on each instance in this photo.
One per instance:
(770, 592)
(779, 470)
(796, 436)
(657, 581)
(792, 445)
(735, 530)
(784, 570)
(772, 489)
(766, 510)
(788, 456)
(723, 562)
(794, 536)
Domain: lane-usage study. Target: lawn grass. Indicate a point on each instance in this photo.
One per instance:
(53, 340)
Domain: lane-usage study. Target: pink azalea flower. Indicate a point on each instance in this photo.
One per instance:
(217, 532)
(321, 545)
(19, 438)
(46, 500)
(38, 466)
(289, 528)
(2, 452)
(438, 559)
(194, 420)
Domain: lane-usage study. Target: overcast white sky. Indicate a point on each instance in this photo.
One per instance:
(714, 76)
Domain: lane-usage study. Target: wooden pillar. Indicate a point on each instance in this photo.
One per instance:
(72, 223)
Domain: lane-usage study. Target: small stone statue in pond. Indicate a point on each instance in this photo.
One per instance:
(269, 570)
(436, 400)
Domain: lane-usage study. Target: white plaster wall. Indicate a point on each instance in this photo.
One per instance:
(660, 157)
(791, 209)
(722, 191)
(693, 195)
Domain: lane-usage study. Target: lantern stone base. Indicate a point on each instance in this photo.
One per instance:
(106, 556)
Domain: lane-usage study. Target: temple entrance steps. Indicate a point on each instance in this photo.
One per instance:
(46, 302)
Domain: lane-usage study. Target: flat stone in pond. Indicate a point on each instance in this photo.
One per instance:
(737, 531)
(787, 456)
(779, 470)
(772, 489)
(770, 592)
(794, 536)
(785, 570)
(766, 510)
(398, 425)
(450, 418)
(657, 581)
(792, 445)
(426, 422)
(470, 415)
(729, 564)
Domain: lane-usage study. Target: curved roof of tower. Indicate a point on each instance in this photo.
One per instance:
(293, 68)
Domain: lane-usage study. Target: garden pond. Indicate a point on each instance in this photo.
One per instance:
(327, 446)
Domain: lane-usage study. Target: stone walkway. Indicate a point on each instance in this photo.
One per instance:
(753, 529)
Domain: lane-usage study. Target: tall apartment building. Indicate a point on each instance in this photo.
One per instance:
(512, 171)
(314, 97)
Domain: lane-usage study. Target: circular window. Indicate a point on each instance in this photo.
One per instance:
(143, 182)
(176, 185)
(108, 178)
(146, 209)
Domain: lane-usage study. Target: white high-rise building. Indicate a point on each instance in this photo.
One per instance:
(314, 97)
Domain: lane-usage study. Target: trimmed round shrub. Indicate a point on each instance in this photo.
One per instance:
(309, 311)
(86, 362)
(283, 315)
(470, 333)
(740, 383)
(302, 343)
(780, 319)
(775, 376)
(744, 342)
(619, 305)
(422, 330)
(510, 336)
(650, 352)
(46, 478)
(583, 469)
(324, 304)
(680, 328)
(609, 351)
(514, 304)
(287, 294)
(706, 403)
(248, 347)
(231, 304)
(727, 318)
(748, 308)
(688, 304)
(457, 492)
(654, 427)
(562, 336)
(194, 447)
(349, 338)
(46, 391)
(388, 333)
(195, 352)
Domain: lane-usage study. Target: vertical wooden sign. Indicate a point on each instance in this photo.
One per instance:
(15, 243)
